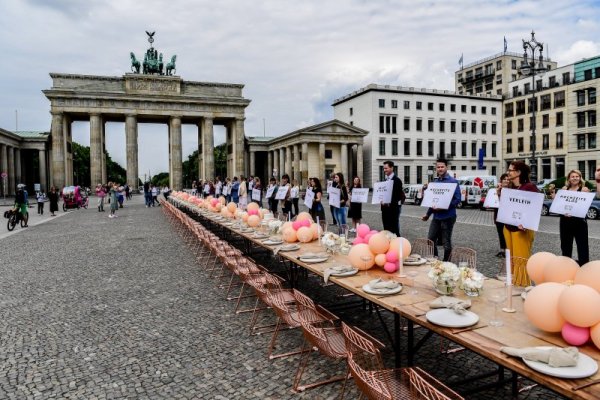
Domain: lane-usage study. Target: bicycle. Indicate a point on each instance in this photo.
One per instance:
(14, 217)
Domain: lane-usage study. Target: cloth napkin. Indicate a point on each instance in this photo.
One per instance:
(553, 356)
(457, 305)
(308, 256)
(338, 269)
(384, 286)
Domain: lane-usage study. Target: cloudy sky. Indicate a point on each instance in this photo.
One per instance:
(295, 57)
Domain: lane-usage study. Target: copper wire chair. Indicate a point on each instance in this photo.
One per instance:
(464, 254)
(423, 247)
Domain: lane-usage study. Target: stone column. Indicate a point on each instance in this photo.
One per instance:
(322, 163)
(269, 167)
(131, 139)
(238, 149)
(95, 149)
(176, 154)
(296, 164)
(4, 167)
(282, 161)
(11, 170)
(200, 150)
(68, 154)
(276, 164)
(344, 156)
(208, 149)
(252, 163)
(288, 162)
(103, 150)
(304, 166)
(359, 162)
(42, 168)
(58, 151)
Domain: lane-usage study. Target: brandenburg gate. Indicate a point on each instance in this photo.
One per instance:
(151, 97)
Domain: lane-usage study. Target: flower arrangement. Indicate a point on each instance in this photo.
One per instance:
(330, 241)
(445, 276)
(471, 281)
(274, 225)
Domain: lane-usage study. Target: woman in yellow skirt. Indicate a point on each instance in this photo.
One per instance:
(518, 239)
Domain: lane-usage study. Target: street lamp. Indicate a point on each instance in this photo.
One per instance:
(530, 49)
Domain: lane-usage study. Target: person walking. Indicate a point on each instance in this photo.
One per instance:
(504, 183)
(114, 202)
(331, 208)
(573, 227)
(235, 187)
(53, 197)
(390, 212)
(443, 221)
(147, 194)
(317, 210)
(41, 199)
(154, 192)
(355, 210)
(295, 196)
(100, 193)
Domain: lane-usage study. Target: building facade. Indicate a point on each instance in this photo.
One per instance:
(413, 127)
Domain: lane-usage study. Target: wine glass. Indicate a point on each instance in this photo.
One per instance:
(365, 260)
(497, 295)
(431, 259)
(412, 274)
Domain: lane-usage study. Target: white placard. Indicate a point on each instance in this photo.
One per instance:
(270, 192)
(438, 195)
(334, 197)
(382, 192)
(329, 185)
(309, 197)
(360, 195)
(294, 192)
(256, 194)
(491, 199)
(281, 192)
(37, 187)
(519, 207)
(574, 204)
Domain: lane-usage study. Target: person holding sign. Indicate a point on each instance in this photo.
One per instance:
(443, 221)
(257, 188)
(243, 192)
(355, 210)
(504, 182)
(317, 210)
(390, 212)
(295, 196)
(271, 192)
(571, 227)
(286, 201)
(518, 239)
(339, 209)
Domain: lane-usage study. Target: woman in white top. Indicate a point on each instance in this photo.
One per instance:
(295, 195)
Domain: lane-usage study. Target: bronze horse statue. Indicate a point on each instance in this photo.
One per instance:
(135, 64)
(170, 69)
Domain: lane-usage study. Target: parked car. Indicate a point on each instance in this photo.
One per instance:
(593, 212)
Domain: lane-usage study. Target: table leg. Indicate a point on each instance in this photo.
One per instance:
(410, 342)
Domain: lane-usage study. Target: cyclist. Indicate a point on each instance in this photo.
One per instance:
(21, 203)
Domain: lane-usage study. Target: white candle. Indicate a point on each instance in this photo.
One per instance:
(319, 229)
(508, 269)
(401, 260)
(289, 216)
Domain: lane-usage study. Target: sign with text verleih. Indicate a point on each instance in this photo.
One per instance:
(382, 192)
(438, 195)
(518, 207)
(572, 203)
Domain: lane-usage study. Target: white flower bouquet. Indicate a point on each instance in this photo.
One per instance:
(330, 241)
(471, 281)
(445, 276)
(274, 226)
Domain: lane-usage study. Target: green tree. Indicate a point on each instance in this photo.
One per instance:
(161, 179)
(81, 167)
(221, 160)
(190, 169)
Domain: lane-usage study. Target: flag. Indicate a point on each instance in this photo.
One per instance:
(505, 44)
(460, 61)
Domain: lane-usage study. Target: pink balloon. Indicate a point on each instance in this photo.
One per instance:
(297, 225)
(374, 231)
(363, 230)
(358, 240)
(252, 212)
(575, 335)
(305, 222)
(391, 256)
(390, 267)
(368, 237)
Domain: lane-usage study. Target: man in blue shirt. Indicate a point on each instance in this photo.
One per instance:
(443, 220)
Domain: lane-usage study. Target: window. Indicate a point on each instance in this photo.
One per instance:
(498, 65)
(559, 99)
(463, 126)
(453, 149)
(494, 146)
(515, 90)
(484, 110)
(463, 149)
(407, 174)
(419, 147)
(581, 167)
(463, 108)
(453, 126)
(527, 88)
(581, 120)
(381, 103)
(545, 142)
(442, 148)
(406, 105)
(546, 103)
(494, 171)
(538, 85)
(473, 126)
(587, 74)
(394, 103)
(381, 124)
(513, 64)
(419, 105)
(566, 78)
(591, 140)
(484, 148)
(520, 144)
(493, 128)
(552, 81)
(328, 154)
(580, 98)
(509, 110)
(387, 124)
(473, 149)
(452, 107)
(559, 119)
(520, 125)
(545, 121)
(473, 109)
(591, 169)
(580, 142)
(382, 147)
(520, 107)
(442, 107)
(419, 124)
(559, 140)
(442, 126)
(508, 126)
(394, 147)
(498, 79)
(381, 175)
(430, 125)
(508, 146)
(484, 128)
(430, 106)
(352, 123)
(407, 147)
(597, 72)
(351, 111)
(591, 118)
(493, 110)
(430, 148)
(419, 174)
(592, 96)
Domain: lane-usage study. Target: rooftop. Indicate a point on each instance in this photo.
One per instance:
(32, 134)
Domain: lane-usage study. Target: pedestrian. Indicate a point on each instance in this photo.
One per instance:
(166, 192)
(286, 202)
(271, 199)
(121, 196)
(147, 194)
(317, 210)
(127, 192)
(154, 192)
(41, 198)
(331, 208)
(340, 212)
(257, 186)
(295, 196)
(390, 212)
(53, 198)
(218, 187)
(101, 193)
(355, 210)
(227, 190)
(206, 191)
(573, 227)
(114, 200)
(243, 193)
(518, 239)
(235, 187)
(504, 183)
(443, 221)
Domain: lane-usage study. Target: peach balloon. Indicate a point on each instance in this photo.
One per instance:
(368, 237)
(218, 207)
(541, 306)
(253, 221)
(252, 206)
(380, 260)
(245, 217)
(304, 216)
(289, 235)
(580, 305)
(560, 269)
(360, 256)
(595, 334)
(406, 247)
(589, 275)
(379, 243)
(363, 230)
(536, 264)
(223, 200)
(358, 240)
(314, 228)
(285, 226)
(304, 234)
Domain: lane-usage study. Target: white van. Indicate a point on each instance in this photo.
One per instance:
(471, 187)
(414, 194)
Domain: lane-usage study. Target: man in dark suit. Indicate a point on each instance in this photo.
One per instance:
(390, 212)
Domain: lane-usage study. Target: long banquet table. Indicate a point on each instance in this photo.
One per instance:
(481, 338)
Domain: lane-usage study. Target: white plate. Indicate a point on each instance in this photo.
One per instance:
(272, 242)
(347, 273)
(381, 292)
(451, 319)
(313, 260)
(289, 247)
(586, 366)
(414, 263)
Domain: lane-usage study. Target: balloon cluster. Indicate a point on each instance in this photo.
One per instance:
(566, 298)
(377, 248)
(303, 229)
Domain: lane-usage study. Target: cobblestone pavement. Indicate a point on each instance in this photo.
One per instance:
(99, 308)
